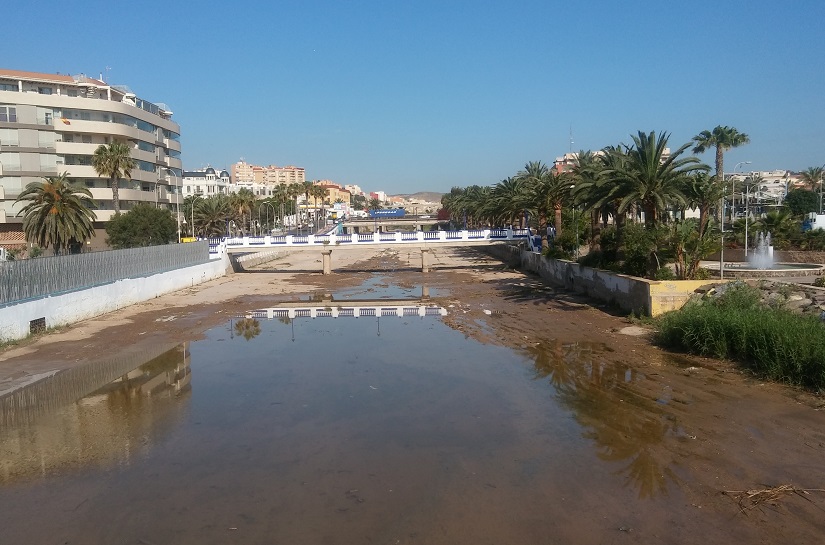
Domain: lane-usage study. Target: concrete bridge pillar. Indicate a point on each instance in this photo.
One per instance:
(425, 260)
(326, 258)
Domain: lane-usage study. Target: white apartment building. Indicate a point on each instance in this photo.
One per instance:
(51, 123)
(206, 182)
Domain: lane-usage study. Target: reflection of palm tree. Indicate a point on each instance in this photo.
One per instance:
(248, 328)
(623, 425)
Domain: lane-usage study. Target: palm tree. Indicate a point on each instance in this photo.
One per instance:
(723, 139)
(508, 197)
(212, 214)
(306, 189)
(242, 204)
(319, 192)
(702, 191)
(544, 190)
(58, 213)
(281, 195)
(650, 178)
(294, 191)
(113, 161)
(812, 177)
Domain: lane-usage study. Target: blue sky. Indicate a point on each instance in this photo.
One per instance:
(425, 95)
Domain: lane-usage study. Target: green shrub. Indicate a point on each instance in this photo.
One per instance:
(772, 342)
(665, 274)
(820, 282)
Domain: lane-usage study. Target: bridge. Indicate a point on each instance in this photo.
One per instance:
(326, 243)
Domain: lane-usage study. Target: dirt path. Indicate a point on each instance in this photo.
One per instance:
(729, 431)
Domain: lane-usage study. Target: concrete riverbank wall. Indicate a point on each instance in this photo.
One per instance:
(18, 320)
(629, 293)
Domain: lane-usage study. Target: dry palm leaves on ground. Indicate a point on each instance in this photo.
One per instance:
(750, 499)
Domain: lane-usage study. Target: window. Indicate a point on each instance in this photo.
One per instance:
(87, 139)
(7, 87)
(72, 92)
(8, 114)
(68, 137)
(44, 90)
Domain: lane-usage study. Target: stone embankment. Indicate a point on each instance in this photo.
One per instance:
(797, 298)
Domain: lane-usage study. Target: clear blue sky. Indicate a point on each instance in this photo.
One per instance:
(424, 95)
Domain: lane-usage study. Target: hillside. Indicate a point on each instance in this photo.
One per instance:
(426, 196)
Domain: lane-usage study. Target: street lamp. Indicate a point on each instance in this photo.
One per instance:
(267, 212)
(722, 218)
(177, 198)
(747, 201)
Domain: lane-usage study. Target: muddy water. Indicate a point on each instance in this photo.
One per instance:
(386, 428)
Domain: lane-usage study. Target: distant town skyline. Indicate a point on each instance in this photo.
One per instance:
(427, 96)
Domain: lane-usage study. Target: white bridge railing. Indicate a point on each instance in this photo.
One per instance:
(397, 237)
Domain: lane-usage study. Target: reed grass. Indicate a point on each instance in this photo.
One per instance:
(774, 343)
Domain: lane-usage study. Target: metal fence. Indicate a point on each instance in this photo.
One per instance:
(33, 278)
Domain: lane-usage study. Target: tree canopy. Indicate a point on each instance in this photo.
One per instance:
(58, 214)
(113, 161)
(143, 225)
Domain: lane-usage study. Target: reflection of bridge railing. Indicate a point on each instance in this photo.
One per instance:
(378, 310)
(379, 238)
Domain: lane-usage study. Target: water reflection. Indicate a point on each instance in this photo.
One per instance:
(248, 328)
(624, 425)
(70, 421)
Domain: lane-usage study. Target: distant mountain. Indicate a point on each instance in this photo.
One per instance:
(427, 196)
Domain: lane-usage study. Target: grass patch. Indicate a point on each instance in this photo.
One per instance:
(774, 343)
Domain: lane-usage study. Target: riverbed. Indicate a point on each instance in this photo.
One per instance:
(469, 405)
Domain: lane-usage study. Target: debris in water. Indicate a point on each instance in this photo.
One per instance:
(749, 499)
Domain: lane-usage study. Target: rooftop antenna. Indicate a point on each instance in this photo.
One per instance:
(107, 74)
(571, 138)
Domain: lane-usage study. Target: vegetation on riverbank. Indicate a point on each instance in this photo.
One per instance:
(736, 325)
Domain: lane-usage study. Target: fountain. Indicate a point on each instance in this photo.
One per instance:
(761, 264)
(762, 256)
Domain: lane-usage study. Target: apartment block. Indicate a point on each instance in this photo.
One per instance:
(243, 172)
(51, 123)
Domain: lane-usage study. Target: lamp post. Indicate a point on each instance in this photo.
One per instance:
(267, 212)
(722, 224)
(747, 200)
(177, 199)
(820, 188)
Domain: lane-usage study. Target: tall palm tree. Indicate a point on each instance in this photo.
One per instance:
(113, 161)
(58, 213)
(723, 139)
(651, 179)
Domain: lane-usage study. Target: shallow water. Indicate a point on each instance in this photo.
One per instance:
(377, 429)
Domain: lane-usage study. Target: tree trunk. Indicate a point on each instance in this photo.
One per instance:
(557, 221)
(115, 196)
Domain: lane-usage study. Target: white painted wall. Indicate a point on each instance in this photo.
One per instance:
(80, 305)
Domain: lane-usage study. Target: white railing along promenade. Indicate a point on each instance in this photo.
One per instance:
(359, 239)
